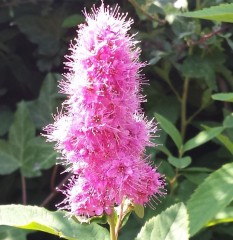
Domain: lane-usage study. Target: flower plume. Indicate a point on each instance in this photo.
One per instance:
(102, 132)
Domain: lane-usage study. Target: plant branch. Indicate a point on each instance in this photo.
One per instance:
(166, 78)
(184, 98)
(24, 189)
(54, 192)
(151, 17)
(174, 90)
(194, 115)
(183, 108)
(207, 36)
(53, 177)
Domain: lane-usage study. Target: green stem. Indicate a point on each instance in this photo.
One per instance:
(183, 108)
(194, 115)
(111, 222)
(24, 190)
(174, 90)
(164, 74)
(118, 224)
(198, 4)
(184, 102)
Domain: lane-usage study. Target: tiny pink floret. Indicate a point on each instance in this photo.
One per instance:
(102, 133)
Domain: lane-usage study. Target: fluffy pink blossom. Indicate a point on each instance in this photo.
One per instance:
(102, 133)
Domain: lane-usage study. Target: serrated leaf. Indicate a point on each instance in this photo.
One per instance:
(42, 108)
(180, 162)
(202, 137)
(23, 150)
(22, 130)
(8, 162)
(37, 218)
(21, 141)
(226, 97)
(172, 224)
(215, 193)
(223, 13)
(170, 129)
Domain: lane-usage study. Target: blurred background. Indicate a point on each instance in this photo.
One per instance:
(188, 60)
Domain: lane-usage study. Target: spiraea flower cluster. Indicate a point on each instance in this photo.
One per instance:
(102, 132)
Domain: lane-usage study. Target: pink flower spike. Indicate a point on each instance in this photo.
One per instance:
(102, 133)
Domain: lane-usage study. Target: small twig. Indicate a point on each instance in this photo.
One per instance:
(153, 18)
(53, 177)
(54, 192)
(201, 41)
(194, 115)
(206, 37)
(24, 189)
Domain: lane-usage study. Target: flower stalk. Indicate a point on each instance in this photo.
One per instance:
(111, 222)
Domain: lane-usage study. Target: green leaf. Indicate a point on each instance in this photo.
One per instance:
(46, 32)
(24, 151)
(139, 210)
(223, 12)
(227, 143)
(184, 189)
(21, 140)
(202, 138)
(42, 108)
(228, 121)
(163, 149)
(170, 129)
(22, 130)
(11, 233)
(196, 175)
(172, 224)
(6, 119)
(72, 20)
(8, 162)
(226, 97)
(57, 223)
(196, 178)
(197, 170)
(224, 216)
(45, 155)
(215, 193)
(180, 162)
(198, 68)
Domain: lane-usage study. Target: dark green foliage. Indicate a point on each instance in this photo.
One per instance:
(190, 72)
